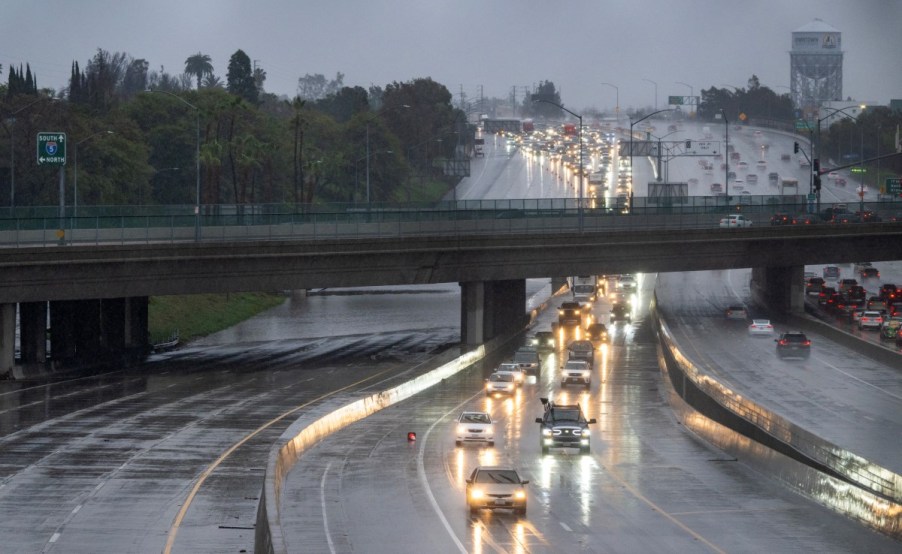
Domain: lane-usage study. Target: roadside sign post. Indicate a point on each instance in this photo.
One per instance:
(51, 151)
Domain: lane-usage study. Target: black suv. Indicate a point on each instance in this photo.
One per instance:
(793, 345)
(620, 312)
(571, 313)
(564, 426)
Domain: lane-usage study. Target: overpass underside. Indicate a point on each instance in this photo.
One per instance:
(61, 334)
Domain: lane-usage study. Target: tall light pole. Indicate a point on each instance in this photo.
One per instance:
(12, 150)
(580, 148)
(372, 117)
(691, 89)
(367, 158)
(632, 124)
(75, 169)
(197, 205)
(726, 157)
(617, 90)
(816, 160)
(656, 90)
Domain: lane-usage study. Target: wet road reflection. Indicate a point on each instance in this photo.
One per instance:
(646, 486)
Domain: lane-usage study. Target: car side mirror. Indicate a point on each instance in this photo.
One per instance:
(776, 340)
(469, 481)
(592, 421)
(524, 482)
(538, 420)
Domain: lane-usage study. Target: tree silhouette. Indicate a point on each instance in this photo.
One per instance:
(199, 65)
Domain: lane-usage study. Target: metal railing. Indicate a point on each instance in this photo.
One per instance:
(41, 226)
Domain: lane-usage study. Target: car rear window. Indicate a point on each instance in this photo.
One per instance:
(795, 338)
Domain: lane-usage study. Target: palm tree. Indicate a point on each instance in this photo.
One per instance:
(199, 65)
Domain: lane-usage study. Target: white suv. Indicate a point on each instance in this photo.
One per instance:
(735, 220)
(871, 320)
(576, 372)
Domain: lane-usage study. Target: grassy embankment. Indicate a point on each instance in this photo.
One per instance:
(199, 315)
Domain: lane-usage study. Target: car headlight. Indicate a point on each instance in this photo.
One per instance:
(546, 432)
(520, 495)
(461, 429)
(490, 429)
(476, 493)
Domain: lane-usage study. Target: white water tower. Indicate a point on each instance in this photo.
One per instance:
(815, 66)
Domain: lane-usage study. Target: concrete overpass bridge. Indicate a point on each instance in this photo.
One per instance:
(97, 294)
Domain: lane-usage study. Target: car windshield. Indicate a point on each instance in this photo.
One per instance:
(503, 476)
(501, 377)
(762, 322)
(566, 414)
(475, 418)
(524, 357)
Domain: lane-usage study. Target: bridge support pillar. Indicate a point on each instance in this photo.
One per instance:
(33, 332)
(137, 335)
(88, 333)
(490, 309)
(781, 289)
(7, 338)
(557, 283)
(63, 324)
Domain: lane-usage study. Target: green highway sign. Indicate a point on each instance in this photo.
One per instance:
(858, 169)
(892, 185)
(52, 149)
(802, 125)
(675, 100)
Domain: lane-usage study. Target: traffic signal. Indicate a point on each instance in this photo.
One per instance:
(795, 148)
(688, 144)
(816, 166)
(817, 183)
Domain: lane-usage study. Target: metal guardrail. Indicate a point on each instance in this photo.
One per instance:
(156, 224)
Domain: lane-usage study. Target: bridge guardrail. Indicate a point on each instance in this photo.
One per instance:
(269, 222)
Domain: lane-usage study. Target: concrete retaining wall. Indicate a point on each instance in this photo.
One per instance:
(862, 489)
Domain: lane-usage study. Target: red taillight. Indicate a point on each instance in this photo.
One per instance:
(783, 342)
(807, 343)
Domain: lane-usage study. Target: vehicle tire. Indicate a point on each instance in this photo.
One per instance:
(588, 385)
(491, 443)
(563, 383)
(457, 443)
(473, 511)
(520, 511)
(545, 449)
(584, 449)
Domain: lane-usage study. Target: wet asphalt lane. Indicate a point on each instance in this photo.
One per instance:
(648, 485)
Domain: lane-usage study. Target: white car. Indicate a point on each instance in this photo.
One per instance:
(761, 327)
(475, 427)
(514, 369)
(576, 372)
(871, 320)
(494, 487)
(735, 220)
(499, 384)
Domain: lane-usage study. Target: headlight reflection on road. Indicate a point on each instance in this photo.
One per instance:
(488, 456)
(460, 475)
(546, 467)
(586, 486)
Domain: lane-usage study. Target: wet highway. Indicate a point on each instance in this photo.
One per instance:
(170, 455)
(647, 485)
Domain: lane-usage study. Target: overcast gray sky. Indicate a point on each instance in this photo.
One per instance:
(495, 44)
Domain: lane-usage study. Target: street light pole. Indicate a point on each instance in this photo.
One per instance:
(632, 124)
(580, 148)
(374, 116)
(726, 148)
(656, 90)
(75, 170)
(816, 160)
(197, 204)
(617, 90)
